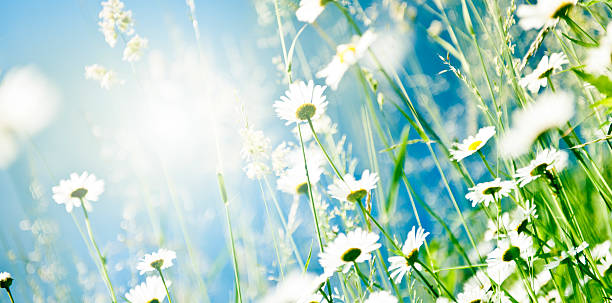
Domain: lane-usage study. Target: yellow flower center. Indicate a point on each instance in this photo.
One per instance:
(154, 300)
(350, 50)
(561, 9)
(351, 255)
(475, 145)
(305, 111)
(302, 188)
(357, 195)
(79, 193)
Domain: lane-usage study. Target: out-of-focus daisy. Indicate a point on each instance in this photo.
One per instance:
(353, 190)
(605, 267)
(501, 261)
(472, 144)
(158, 260)
(255, 152)
(134, 48)
(292, 173)
(538, 77)
(548, 160)
(601, 250)
(400, 265)
(113, 18)
(296, 288)
(346, 55)
(301, 102)
(106, 77)
(381, 297)
(9, 149)
(323, 126)
(309, 10)
(544, 13)
(355, 246)
(491, 191)
(5, 280)
(84, 187)
(472, 294)
(150, 291)
(599, 59)
(550, 110)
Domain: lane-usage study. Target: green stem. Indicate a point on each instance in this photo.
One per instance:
(314, 133)
(8, 291)
(161, 275)
(486, 163)
(105, 275)
(235, 259)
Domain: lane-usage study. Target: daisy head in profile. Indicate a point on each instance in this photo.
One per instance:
(472, 144)
(352, 190)
(546, 162)
(354, 247)
(346, 56)
(296, 287)
(309, 10)
(400, 265)
(544, 13)
(6, 280)
(156, 261)
(540, 75)
(302, 102)
(502, 260)
(491, 191)
(79, 189)
(150, 291)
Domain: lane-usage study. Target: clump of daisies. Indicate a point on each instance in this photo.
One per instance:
(549, 111)
(346, 56)
(78, 191)
(302, 102)
(472, 144)
(349, 189)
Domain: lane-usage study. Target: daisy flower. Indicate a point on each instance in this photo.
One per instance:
(473, 294)
(544, 13)
(346, 56)
(297, 287)
(158, 260)
(150, 291)
(599, 59)
(355, 246)
(134, 47)
(301, 102)
(309, 10)
(606, 264)
(550, 110)
(77, 190)
(99, 73)
(538, 77)
(488, 192)
(381, 297)
(601, 250)
(472, 144)
(5, 280)
(548, 160)
(292, 173)
(400, 265)
(352, 190)
(501, 261)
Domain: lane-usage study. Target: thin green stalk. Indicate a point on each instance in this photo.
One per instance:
(234, 258)
(314, 133)
(8, 291)
(161, 275)
(100, 257)
(274, 240)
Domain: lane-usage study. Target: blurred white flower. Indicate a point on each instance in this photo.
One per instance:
(601, 250)
(9, 149)
(323, 126)
(355, 246)
(84, 187)
(161, 259)
(501, 261)
(550, 110)
(106, 77)
(113, 18)
(301, 102)
(538, 78)
(400, 265)
(473, 293)
(150, 291)
(381, 297)
(255, 152)
(346, 56)
(599, 59)
(353, 190)
(548, 160)
(297, 287)
(472, 144)
(544, 13)
(605, 265)
(134, 48)
(288, 163)
(309, 10)
(487, 192)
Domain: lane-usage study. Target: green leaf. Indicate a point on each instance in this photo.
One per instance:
(398, 170)
(602, 83)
